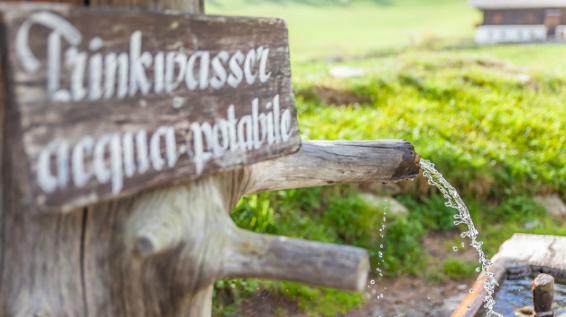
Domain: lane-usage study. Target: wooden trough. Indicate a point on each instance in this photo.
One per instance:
(521, 254)
(112, 203)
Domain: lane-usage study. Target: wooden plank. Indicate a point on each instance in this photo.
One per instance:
(538, 251)
(109, 102)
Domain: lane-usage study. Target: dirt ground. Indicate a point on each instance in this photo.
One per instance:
(413, 297)
(402, 297)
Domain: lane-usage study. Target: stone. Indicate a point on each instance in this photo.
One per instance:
(529, 225)
(391, 204)
(525, 312)
(346, 72)
(462, 287)
(523, 78)
(553, 204)
(383, 189)
(448, 306)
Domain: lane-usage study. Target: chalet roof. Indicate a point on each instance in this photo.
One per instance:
(517, 4)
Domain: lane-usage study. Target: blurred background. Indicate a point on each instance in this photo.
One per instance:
(491, 117)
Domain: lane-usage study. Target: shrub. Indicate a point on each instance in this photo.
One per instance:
(456, 268)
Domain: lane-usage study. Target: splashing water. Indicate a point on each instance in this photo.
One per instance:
(373, 283)
(453, 200)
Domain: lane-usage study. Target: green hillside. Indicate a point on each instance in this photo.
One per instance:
(336, 28)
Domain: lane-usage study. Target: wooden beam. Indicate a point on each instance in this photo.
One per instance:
(320, 163)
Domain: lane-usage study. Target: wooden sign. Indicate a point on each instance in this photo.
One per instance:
(103, 103)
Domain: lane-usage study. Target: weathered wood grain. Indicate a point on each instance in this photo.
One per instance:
(206, 246)
(76, 2)
(199, 95)
(175, 279)
(38, 253)
(170, 5)
(321, 163)
(263, 256)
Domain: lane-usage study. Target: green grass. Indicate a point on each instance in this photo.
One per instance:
(358, 27)
(492, 119)
(486, 123)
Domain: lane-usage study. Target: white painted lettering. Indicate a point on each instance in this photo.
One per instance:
(138, 62)
(80, 174)
(236, 76)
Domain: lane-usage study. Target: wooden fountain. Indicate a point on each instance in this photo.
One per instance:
(123, 156)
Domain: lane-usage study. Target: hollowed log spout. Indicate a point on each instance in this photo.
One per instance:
(332, 162)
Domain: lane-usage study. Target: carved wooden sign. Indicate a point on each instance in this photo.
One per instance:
(102, 103)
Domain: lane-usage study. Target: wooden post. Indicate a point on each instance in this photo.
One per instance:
(158, 252)
(543, 295)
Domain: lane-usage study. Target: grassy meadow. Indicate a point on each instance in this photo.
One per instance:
(327, 28)
(492, 118)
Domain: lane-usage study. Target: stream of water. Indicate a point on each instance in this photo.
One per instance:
(453, 200)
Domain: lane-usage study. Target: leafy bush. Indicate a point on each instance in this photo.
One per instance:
(354, 221)
(319, 301)
(516, 208)
(430, 212)
(456, 268)
(403, 251)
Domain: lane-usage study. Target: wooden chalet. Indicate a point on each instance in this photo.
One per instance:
(516, 21)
